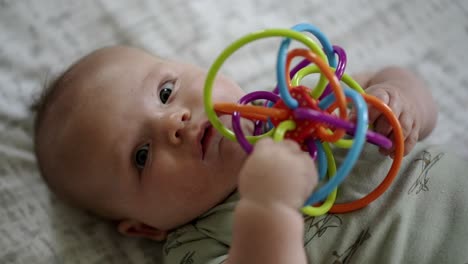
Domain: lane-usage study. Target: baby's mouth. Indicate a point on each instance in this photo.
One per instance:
(206, 139)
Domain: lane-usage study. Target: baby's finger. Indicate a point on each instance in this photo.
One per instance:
(383, 96)
(382, 126)
(407, 124)
(291, 145)
(374, 115)
(264, 142)
(410, 142)
(390, 150)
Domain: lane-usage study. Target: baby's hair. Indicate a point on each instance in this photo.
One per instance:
(50, 90)
(42, 100)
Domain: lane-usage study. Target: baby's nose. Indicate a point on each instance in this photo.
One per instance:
(176, 124)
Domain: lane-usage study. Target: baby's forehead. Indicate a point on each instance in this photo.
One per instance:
(98, 67)
(110, 72)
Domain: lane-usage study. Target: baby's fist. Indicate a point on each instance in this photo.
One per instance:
(277, 172)
(405, 112)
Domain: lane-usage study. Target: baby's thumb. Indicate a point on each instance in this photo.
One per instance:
(380, 94)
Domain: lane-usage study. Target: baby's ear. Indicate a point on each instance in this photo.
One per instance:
(134, 228)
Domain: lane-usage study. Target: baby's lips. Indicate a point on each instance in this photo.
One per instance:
(204, 137)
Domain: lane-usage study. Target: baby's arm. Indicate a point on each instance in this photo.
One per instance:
(274, 183)
(408, 97)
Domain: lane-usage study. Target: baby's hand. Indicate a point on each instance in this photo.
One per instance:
(406, 113)
(277, 172)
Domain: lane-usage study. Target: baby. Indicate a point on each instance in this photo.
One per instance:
(124, 134)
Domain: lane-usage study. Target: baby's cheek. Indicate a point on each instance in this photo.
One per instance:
(227, 90)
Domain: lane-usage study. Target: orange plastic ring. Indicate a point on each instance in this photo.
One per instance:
(392, 173)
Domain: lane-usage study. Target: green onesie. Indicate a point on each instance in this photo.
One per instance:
(421, 218)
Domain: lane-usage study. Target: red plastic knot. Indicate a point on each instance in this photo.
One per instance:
(304, 128)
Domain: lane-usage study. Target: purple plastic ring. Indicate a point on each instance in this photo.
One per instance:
(311, 148)
(302, 113)
(340, 68)
(236, 126)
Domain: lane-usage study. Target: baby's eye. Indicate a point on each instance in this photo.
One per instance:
(165, 91)
(141, 155)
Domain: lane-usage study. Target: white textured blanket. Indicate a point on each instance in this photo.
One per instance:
(40, 38)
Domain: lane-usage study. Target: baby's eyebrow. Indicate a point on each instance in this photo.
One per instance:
(147, 77)
(155, 75)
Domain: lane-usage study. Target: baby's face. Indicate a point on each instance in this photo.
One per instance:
(139, 136)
